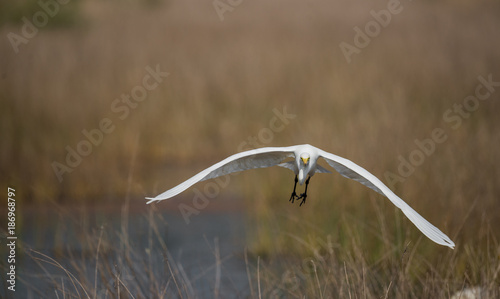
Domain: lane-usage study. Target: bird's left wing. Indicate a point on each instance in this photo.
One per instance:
(353, 171)
(257, 158)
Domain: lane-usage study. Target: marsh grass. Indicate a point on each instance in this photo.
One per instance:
(109, 264)
(327, 266)
(226, 79)
(106, 263)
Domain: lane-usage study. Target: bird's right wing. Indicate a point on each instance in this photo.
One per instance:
(353, 171)
(257, 158)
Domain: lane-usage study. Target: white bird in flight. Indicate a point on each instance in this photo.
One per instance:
(305, 166)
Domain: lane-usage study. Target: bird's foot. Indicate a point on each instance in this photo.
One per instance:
(303, 196)
(293, 197)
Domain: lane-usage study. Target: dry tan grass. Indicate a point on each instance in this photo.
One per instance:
(225, 80)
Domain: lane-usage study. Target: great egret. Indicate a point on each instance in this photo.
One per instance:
(305, 166)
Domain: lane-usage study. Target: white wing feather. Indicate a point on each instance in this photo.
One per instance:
(257, 158)
(271, 156)
(353, 171)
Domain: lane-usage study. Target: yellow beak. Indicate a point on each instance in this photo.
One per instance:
(305, 160)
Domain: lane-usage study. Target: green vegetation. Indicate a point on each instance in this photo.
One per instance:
(62, 15)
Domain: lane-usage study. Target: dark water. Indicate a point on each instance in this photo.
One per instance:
(192, 251)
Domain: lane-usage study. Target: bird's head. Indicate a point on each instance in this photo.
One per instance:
(305, 158)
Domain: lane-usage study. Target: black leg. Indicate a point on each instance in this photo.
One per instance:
(303, 196)
(294, 195)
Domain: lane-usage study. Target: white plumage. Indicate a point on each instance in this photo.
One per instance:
(305, 166)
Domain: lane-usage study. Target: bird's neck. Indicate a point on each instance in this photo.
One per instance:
(302, 175)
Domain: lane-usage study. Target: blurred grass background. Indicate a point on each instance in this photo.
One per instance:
(226, 77)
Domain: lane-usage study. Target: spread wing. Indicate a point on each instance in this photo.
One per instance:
(257, 158)
(353, 171)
